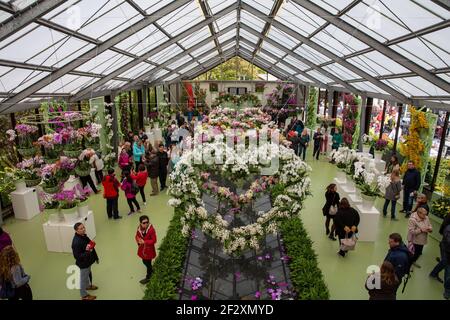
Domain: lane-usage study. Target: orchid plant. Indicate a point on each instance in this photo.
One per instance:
(67, 199)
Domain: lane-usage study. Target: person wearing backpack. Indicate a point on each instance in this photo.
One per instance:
(399, 255)
(130, 188)
(13, 279)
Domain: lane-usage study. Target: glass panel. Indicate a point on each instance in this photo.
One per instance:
(338, 41)
(218, 5)
(181, 19)
(416, 51)
(195, 38)
(112, 84)
(266, 57)
(272, 49)
(286, 68)
(16, 51)
(361, 24)
(209, 56)
(225, 21)
(228, 46)
(152, 6)
(185, 70)
(302, 78)
(142, 41)
(265, 6)
(16, 35)
(179, 62)
(66, 84)
(136, 71)
(60, 9)
(22, 4)
(166, 54)
(282, 38)
(107, 61)
(4, 16)
(297, 63)
(252, 21)
(227, 36)
(203, 49)
(311, 54)
(17, 79)
(62, 52)
(171, 77)
(340, 71)
(445, 76)
(367, 86)
(439, 38)
(319, 76)
(426, 86)
(436, 9)
(160, 74)
(333, 6)
(248, 36)
(246, 46)
(376, 64)
(299, 19)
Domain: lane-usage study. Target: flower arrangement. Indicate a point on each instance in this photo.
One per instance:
(31, 169)
(67, 199)
(381, 145)
(350, 117)
(50, 178)
(25, 133)
(83, 193)
(367, 139)
(370, 180)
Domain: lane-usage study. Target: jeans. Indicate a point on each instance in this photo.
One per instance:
(84, 281)
(316, 150)
(112, 207)
(141, 190)
(131, 202)
(148, 264)
(447, 281)
(407, 200)
(386, 204)
(302, 151)
(99, 176)
(87, 179)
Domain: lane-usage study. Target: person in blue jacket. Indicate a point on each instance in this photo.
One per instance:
(398, 255)
(411, 184)
(138, 151)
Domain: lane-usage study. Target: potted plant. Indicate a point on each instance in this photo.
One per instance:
(51, 208)
(92, 136)
(50, 179)
(367, 143)
(68, 204)
(31, 170)
(65, 167)
(370, 188)
(83, 201)
(83, 167)
(380, 146)
(52, 144)
(25, 134)
(72, 142)
(12, 178)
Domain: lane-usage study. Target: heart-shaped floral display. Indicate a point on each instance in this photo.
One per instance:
(191, 179)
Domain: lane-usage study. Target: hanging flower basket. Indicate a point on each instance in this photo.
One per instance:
(51, 190)
(27, 152)
(32, 182)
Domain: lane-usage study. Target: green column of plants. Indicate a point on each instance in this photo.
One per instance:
(99, 105)
(358, 103)
(311, 108)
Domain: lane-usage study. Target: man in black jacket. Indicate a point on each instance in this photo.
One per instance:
(163, 162)
(83, 250)
(446, 249)
(411, 183)
(398, 255)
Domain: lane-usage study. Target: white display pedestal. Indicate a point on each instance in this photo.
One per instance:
(355, 199)
(25, 203)
(368, 223)
(347, 189)
(339, 181)
(59, 236)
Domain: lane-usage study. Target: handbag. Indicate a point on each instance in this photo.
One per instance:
(348, 244)
(7, 290)
(333, 208)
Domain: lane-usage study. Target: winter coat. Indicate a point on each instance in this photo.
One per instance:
(83, 258)
(394, 188)
(445, 243)
(110, 187)
(138, 152)
(386, 291)
(5, 240)
(163, 161)
(147, 250)
(124, 160)
(152, 165)
(295, 140)
(127, 187)
(141, 178)
(332, 199)
(399, 257)
(415, 224)
(317, 138)
(337, 140)
(304, 140)
(346, 217)
(411, 179)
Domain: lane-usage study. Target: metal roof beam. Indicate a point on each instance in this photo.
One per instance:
(25, 17)
(207, 13)
(5, 105)
(371, 42)
(152, 52)
(443, 3)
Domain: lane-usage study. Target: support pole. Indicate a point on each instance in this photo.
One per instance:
(382, 119)
(368, 115)
(400, 111)
(362, 120)
(441, 148)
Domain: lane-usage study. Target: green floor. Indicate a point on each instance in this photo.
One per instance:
(119, 270)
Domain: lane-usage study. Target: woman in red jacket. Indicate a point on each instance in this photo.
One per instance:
(146, 239)
(141, 180)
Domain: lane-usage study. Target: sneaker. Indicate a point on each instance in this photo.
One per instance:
(437, 278)
(130, 213)
(89, 297)
(92, 287)
(332, 238)
(438, 259)
(118, 217)
(145, 203)
(144, 281)
(341, 253)
(446, 297)
(394, 219)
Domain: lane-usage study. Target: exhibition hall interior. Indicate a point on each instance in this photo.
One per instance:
(224, 150)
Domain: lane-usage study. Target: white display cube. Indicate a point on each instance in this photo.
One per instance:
(25, 203)
(368, 223)
(355, 199)
(347, 189)
(59, 236)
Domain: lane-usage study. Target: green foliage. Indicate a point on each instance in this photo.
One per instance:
(168, 266)
(441, 207)
(311, 108)
(306, 276)
(233, 69)
(356, 135)
(213, 87)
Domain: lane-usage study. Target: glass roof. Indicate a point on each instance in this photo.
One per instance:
(398, 48)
